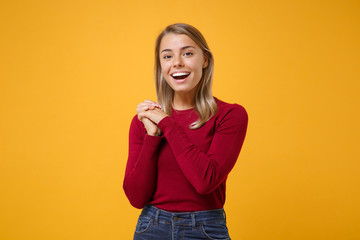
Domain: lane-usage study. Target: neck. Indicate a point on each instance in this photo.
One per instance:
(183, 101)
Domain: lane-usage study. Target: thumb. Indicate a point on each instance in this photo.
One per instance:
(141, 115)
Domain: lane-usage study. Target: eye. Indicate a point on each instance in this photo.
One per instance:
(188, 53)
(166, 57)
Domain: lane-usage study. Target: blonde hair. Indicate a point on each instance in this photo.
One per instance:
(204, 101)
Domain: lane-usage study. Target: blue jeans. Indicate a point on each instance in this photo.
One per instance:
(157, 224)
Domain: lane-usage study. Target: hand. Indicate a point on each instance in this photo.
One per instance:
(155, 115)
(150, 126)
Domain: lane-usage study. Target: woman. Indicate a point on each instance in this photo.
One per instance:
(182, 148)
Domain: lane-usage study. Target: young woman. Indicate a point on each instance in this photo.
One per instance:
(182, 147)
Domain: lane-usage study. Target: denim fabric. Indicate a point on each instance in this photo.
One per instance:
(157, 224)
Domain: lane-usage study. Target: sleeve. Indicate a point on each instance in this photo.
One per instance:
(140, 174)
(207, 170)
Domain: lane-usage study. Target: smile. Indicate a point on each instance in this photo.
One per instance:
(180, 77)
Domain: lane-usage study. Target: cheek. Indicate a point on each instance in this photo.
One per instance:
(164, 66)
(198, 69)
(197, 65)
(165, 74)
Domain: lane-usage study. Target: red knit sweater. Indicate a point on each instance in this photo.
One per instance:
(184, 170)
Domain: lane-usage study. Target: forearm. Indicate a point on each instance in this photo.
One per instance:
(206, 170)
(140, 175)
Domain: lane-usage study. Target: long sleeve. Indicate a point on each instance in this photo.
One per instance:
(207, 170)
(140, 174)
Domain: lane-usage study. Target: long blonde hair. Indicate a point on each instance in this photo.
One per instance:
(204, 101)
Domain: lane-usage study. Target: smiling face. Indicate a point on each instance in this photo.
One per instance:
(182, 62)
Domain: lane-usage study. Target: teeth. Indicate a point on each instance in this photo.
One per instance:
(180, 74)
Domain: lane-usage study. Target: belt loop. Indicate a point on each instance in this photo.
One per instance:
(157, 217)
(193, 221)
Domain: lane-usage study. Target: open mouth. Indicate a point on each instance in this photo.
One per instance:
(180, 75)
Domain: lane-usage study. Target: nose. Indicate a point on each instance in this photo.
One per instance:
(178, 61)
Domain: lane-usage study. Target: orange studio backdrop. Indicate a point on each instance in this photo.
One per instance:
(72, 73)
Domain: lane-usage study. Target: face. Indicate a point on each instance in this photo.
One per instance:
(182, 61)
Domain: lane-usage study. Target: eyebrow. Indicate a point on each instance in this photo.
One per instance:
(169, 50)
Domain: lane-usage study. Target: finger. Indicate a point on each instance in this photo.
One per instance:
(148, 101)
(152, 103)
(145, 108)
(142, 104)
(149, 105)
(157, 105)
(140, 115)
(142, 109)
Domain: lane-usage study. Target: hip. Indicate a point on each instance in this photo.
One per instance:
(154, 223)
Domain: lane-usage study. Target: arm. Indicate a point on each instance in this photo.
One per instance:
(140, 174)
(206, 171)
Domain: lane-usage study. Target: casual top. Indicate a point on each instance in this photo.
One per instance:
(184, 170)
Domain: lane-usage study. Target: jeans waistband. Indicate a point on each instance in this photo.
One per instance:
(191, 218)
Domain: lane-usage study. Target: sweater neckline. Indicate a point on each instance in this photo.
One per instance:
(182, 111)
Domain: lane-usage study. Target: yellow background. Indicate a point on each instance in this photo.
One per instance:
(72, 73)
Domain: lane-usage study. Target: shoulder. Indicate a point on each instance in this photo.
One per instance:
(230, 110)
(230, 117)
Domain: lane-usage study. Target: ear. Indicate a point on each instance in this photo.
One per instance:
(206, 62)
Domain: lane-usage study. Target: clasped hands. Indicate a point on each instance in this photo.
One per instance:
(150, 114)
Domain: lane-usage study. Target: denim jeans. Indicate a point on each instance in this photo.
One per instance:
(157, 224)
